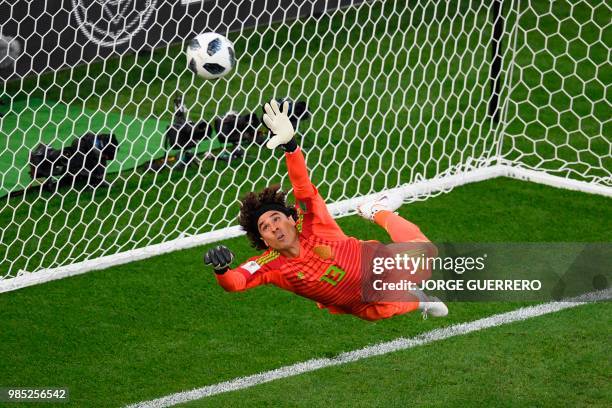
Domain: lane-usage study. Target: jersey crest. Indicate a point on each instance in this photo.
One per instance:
(323, 251)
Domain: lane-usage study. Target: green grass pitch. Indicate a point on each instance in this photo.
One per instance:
(163, 325)
(159, 326)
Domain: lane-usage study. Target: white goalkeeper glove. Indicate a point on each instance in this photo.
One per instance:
(279, 124)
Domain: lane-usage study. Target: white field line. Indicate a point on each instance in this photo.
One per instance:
(375, 350)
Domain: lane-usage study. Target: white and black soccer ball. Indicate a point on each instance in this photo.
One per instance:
(211, 55)
(10, 50)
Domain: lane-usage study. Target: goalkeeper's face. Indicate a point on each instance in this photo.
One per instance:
(278, 230)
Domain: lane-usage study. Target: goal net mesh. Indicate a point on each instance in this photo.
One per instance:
(399, 93)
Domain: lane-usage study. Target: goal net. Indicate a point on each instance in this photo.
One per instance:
(419, 96)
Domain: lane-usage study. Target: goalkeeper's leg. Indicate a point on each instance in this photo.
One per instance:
(398, 228)
(380, 210)
(401, 230)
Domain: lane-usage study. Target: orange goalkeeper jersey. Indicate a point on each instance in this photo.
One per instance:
(328, 269)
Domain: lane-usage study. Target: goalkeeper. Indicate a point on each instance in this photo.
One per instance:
(305, 251)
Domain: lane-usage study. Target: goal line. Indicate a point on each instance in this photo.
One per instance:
(338, 209)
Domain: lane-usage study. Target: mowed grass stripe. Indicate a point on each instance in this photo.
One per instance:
(375, 350)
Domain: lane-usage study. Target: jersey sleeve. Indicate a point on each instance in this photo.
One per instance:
(317, 218)
(256, 271)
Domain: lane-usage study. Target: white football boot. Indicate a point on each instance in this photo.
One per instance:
(386, 201)
(433, 307)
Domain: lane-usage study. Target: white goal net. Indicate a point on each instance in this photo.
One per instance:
(420, 96)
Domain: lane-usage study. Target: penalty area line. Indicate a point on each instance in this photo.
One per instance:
(375, 350)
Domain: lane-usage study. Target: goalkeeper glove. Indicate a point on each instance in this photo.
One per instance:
(219, 258)
(279, 124)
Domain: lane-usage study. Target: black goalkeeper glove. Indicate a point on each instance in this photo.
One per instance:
(219, 258)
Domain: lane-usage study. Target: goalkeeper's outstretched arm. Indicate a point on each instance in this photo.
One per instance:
(278, 122)
(280, 126)
(246, 276)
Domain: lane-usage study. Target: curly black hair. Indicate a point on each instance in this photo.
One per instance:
(249, 213)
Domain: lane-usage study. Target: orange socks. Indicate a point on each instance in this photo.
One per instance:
(398, 228)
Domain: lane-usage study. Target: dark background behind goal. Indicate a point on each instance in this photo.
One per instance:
(57, 35)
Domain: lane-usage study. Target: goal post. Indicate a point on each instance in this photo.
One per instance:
(419, 96)
(558, 105)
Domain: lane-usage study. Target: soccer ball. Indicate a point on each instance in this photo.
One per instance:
(211, 55)
(9, 51)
